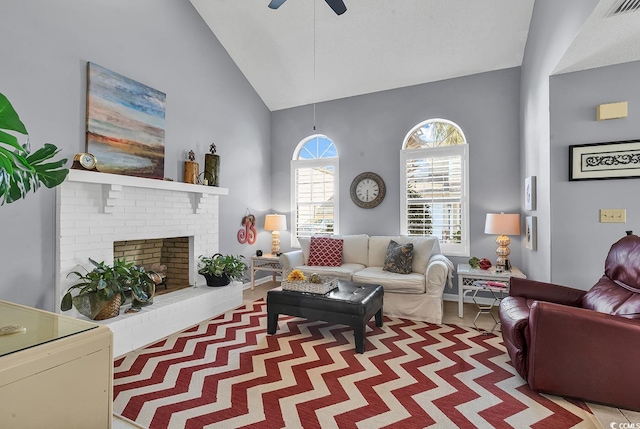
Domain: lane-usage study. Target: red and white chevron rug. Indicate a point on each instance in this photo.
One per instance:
(228, 373)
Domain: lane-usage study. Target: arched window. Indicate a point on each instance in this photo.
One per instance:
(314, 188)
(434, 176)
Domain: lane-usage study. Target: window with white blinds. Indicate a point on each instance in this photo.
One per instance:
(434, 171)
(314, 187)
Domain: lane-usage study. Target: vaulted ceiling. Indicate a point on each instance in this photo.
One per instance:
(303, 52)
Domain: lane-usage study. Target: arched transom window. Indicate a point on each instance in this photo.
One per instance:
(434, 180)
(314, 188)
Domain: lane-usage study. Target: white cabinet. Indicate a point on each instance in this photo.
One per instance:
(56, 374)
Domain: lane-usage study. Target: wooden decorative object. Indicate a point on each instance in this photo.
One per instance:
(212, 167)
(191, 169)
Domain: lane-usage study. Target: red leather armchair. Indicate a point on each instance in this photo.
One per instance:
(583, 344)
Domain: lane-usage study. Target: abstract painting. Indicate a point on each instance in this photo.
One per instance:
(125, 124)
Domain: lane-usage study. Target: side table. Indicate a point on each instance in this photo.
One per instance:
(467, 276)
(497, 294)
(267, 262)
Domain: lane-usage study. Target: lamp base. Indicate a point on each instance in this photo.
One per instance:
(275, 242)
(502, 262)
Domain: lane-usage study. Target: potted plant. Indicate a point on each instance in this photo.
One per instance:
(220, 269)
(101, 291)
(142, 285)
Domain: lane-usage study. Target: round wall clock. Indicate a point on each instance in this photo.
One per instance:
(368, 190)
(84, 161)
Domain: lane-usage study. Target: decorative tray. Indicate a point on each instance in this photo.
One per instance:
(327, 285)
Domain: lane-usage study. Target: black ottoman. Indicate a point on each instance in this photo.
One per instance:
(351, 304)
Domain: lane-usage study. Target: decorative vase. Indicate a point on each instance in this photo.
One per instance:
(216, 281)
(212, 169)
(95, 308)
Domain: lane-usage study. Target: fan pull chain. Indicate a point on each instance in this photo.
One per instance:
(314, 65)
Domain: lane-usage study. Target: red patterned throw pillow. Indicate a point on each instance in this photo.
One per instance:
(325, 252)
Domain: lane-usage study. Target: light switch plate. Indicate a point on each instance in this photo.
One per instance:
(613, 215)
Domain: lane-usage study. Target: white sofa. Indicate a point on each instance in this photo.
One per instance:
(415, 296)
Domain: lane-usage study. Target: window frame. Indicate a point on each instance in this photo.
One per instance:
(296, 164)
(462, 150)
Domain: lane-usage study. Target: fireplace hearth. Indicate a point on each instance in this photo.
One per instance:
(95, 211)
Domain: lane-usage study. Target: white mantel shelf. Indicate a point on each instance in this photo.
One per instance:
(141, 182)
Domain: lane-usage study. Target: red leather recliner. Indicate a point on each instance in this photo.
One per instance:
(583, 344)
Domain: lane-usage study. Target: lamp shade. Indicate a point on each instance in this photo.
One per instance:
(275, 222)
(502, 224)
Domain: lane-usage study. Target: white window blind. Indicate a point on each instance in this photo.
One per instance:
(434, 182)
(314, 200)
(314, 188)
(434, 197)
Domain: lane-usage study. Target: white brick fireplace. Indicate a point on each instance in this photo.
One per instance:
(96, 209)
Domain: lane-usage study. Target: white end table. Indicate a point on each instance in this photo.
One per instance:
(467, 276)
(267, 262)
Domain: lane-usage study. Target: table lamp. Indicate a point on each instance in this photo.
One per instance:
(275, 223)
(503, 225)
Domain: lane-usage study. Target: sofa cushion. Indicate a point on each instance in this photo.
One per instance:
(305, 244)
(325, 252)
(343, 272)
(399, 283)
(355, 248)
(608, 297)
(398, 258)
(423, 248)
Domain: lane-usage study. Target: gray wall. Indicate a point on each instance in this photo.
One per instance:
(554, 25)
(368, 131)
(44, 54)
(579, 241)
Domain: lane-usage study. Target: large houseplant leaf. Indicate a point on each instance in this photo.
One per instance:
(9, 119)
(20, 170)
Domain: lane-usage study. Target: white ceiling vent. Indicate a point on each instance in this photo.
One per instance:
(623, 6)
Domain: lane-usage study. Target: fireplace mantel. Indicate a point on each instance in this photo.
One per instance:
(113, 185)
(141, 182)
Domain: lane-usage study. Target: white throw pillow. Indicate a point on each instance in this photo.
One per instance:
(355, 248)
(305, 246)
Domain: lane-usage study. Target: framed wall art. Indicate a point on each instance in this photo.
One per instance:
(530, 193)
(531, 233)
(613, 160)
(125, 124)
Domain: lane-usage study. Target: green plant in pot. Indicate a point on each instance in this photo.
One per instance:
(101, 291)
(143, 286)
(220, 269)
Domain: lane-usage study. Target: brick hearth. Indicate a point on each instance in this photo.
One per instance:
(94, 210)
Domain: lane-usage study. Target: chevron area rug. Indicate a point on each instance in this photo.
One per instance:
(228, 373)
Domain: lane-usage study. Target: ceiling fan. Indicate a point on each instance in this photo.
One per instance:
(337, 5)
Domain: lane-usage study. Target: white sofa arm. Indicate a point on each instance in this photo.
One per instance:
(291, 259)
(439, 273)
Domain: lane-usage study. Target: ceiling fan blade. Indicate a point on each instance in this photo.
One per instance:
(337, 5)
(276, 4)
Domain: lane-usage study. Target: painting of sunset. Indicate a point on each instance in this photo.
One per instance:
(125, 124)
